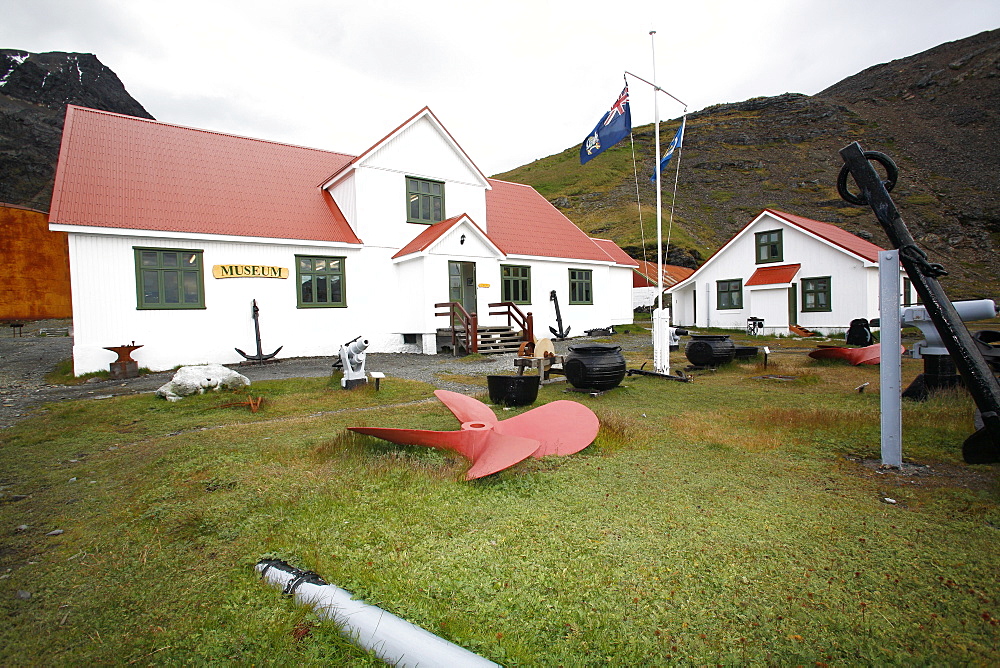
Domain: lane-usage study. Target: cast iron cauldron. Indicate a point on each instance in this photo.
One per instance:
(513, 390)
(599, 366)
(710, 349)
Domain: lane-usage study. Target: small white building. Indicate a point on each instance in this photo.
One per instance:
(788, 271)
(645, 284)
(174, 232)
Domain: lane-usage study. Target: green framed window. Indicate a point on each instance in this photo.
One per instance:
(169, 278)
(769, 247)
(729, 294)
(910, 297)
(320, 281)
(424, 200)
(581, 286)
(516, 283)
(816, 294)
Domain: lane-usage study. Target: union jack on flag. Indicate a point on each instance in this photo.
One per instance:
(619, 107)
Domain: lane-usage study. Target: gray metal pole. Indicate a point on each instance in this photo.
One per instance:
(890, 367)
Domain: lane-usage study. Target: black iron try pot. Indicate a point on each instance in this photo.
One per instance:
(513, 390)
(710, 349)
(599, 366)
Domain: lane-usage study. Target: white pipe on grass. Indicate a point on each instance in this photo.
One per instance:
(394, 640)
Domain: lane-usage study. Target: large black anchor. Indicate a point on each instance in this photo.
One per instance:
(260, 357)
(983, 446)
(561, 334)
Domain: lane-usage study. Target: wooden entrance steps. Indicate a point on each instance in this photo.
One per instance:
(498, 340)
(491, 340)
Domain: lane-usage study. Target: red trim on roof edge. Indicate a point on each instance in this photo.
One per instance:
(428, 236)
(829, 232)
(338, 215)
(774, 275)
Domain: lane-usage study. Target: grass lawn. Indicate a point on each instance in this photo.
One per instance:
(736, 519)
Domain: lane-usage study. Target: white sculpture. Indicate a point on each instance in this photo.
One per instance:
(199, 379)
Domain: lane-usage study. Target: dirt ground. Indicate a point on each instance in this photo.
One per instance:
(25, 360)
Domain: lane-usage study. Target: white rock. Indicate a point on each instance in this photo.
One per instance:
(199, 379)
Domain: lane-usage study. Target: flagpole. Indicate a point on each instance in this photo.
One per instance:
(661, 362)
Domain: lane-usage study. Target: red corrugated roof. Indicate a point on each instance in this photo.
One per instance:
(433, 232)
(124, 172)
(833, 234)
(645, 274)
(615, 252)
(773, 275)
(522, 222)
(119, 171)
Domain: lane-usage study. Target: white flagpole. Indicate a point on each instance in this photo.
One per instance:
(661, 322)
(661, 362)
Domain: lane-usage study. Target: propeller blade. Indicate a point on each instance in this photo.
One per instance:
(457, 441)
(488, 451)
(466, 409)
(559, 428)
(563, 427)
(500, 451)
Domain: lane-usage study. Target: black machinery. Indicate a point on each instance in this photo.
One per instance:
(983, 446)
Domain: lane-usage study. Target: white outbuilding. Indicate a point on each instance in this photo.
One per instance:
(793, 273)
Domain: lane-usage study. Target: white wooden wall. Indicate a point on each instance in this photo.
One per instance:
(854, 284)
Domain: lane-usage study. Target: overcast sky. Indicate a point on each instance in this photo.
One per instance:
(513, 81)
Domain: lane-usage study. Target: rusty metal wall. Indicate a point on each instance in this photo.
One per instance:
(35, 267)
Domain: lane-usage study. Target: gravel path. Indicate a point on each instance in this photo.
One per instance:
(25, 360)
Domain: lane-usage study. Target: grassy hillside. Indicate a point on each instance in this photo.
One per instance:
(933, 113)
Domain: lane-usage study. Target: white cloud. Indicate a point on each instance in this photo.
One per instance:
(513, 81)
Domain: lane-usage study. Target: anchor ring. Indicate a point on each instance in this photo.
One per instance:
(892, 173)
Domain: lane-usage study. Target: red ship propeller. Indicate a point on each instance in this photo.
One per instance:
(559, 428)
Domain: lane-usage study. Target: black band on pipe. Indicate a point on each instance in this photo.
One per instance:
(299, 575)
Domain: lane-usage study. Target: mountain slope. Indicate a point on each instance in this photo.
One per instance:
(34, 91)
(935, 113)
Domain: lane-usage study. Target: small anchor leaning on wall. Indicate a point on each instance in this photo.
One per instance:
(260, 357)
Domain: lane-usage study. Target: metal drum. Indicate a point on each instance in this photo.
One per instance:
(710, 349)
(513, 390)
(599, 366)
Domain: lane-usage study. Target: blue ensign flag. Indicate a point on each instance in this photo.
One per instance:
(615, 126)
(675, 144)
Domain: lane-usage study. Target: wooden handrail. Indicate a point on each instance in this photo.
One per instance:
(470, 326)
(515, 316)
